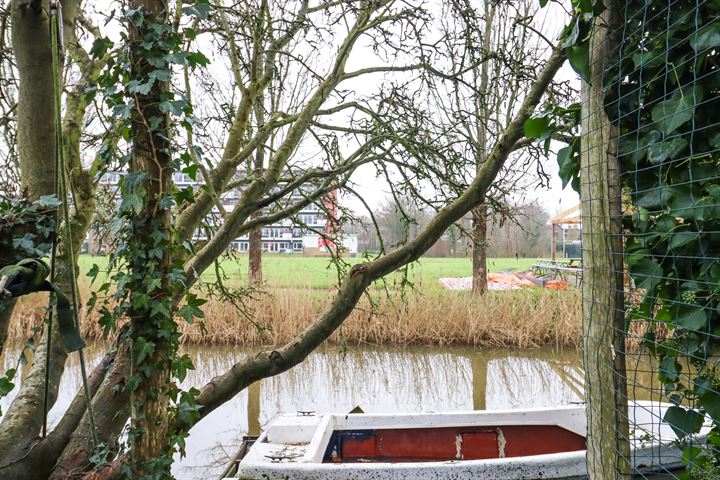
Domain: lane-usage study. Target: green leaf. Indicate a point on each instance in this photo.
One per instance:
(181, 365)
(196, 58)
(143, 349)
(6, 385)
(569, 164)
(669, 370)
(192, 308)
(536, 127)
(199, 9)
(656, 198)
(572, 36)
(706, 37)
(670, 114)
(662, 151)
(710, 402)
(680, 239)
(48, 201)
(647, 273)
(579, 58)
(543, 3)
(690, 318)
(683, 422)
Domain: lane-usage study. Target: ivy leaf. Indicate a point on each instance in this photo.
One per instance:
(569, 164)
(683, 422)
(710, 402)
(181, 365)
(100, 47)
(572, 36)
(670, 114)
(706, 37)
(579, 58)
(647, 273)
(143, 349)
(199, 9)
(680, 239)
(196, 58)
(690, 318)
(656, 198)
(6, 385)
(543, 3)
(669, 370)
(662, 151)
(191, 171)
(48, 201)
(192, 308)
(537, 127)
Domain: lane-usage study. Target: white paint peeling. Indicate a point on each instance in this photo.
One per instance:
(501, 442)
(458, 446)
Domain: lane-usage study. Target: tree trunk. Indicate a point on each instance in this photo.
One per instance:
(151, 231)
(109, 402)
(30, 29)
(36, 105)
(255, 253)
(38, 461)
(6, 309)
(36, 153)
(255, 274)
(608, 451)
(479, 256)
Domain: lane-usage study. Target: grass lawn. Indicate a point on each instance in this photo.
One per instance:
(291, 271)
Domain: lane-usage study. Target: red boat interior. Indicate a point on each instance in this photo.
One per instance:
(449, 443)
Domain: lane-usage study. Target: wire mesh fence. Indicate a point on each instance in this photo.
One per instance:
(651, 220)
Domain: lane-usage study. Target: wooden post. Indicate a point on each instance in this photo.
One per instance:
(553, 246)
(479, 366)
(608, 451)
(253, 409)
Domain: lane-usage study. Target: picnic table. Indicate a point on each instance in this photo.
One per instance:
(559, 269)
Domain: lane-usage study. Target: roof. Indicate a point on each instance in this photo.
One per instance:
(571, 216)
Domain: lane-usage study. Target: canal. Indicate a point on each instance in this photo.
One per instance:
(428, 379)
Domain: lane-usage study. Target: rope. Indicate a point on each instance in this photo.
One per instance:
(61, 189)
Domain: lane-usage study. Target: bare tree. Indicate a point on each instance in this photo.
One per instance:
(315, 134)
(499, 48)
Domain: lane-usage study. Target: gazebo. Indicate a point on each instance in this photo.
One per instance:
(571, 216)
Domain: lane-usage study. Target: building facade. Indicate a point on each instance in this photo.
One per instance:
(288, 236)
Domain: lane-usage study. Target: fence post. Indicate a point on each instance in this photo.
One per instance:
(608, 449)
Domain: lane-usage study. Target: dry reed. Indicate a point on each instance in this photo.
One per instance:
(521, 318)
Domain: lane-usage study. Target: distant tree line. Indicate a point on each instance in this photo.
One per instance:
(520, 230)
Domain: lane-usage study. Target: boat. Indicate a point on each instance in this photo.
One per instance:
(491, 444)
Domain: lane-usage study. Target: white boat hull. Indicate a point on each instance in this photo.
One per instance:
(293, 447)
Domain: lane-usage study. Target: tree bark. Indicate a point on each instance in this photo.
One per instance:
(6, 309)
(38, 461)
(255, 274)
(36, 106)
(479, 250)
(36, 150)
(608, 447)
(149, 403)
(110, 405)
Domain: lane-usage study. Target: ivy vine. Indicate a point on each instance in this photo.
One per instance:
(664, 95)
(146, 266)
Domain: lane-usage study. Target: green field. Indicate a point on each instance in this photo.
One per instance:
(290, 271)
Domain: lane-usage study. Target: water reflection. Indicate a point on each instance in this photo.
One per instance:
(378, 380)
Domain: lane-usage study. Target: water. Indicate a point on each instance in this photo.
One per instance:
(376, 379)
